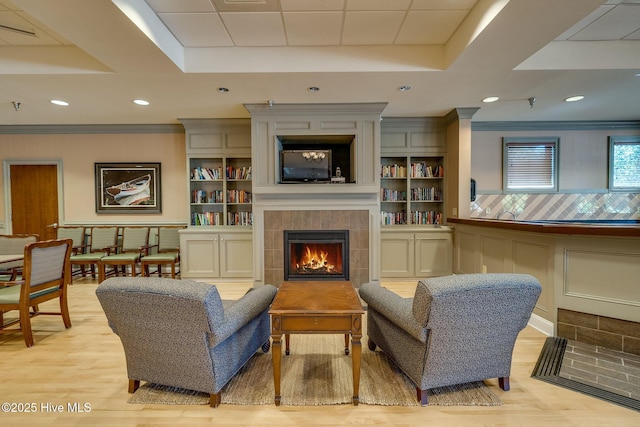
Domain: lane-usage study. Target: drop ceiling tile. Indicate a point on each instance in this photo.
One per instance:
(443, 4)
(309, 5)
(255, 28)
(378, 4)
(430, 27)
(246, 6)
(371, 28)
(166, 6)
(617, 24)
(197, 29)
(313, 29)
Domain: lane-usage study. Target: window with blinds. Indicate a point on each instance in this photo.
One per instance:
(624, 163)
(530, 165)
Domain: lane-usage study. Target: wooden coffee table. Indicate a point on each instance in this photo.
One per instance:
(320, 307)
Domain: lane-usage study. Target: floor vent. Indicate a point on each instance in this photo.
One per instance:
(548, 368)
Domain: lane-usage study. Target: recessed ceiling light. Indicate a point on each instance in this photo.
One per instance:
(574, 98)
(490, 99)
(59, 102)
(313, 89)
(223, 90)
(404, 88)
(140, 102)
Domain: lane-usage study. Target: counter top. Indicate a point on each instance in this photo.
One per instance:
(624, 229)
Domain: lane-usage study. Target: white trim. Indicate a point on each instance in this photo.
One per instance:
(6, 164)
(542, 325)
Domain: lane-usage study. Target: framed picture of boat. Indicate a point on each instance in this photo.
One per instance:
(126, 188)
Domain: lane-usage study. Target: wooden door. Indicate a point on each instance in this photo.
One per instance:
(34, 200)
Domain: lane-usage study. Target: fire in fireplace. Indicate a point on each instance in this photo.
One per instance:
(316, 255)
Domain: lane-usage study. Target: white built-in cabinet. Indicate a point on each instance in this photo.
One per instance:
(416, 253)
(413, 243)
(216, 254)
(219, 240)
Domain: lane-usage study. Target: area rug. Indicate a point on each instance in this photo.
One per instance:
(317, 372)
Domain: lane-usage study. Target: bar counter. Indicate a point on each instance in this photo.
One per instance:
(624, 228)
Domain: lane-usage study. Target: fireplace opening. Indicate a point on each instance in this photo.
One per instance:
(316, 255)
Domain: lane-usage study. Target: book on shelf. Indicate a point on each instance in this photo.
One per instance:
(205, 174)
(238, 196)
(428, 194)
(393, 171)
(394, 218)
(206, 218)
(240, 218)
(391, 195)
(426, 217)
(422, 170)
(241, 173)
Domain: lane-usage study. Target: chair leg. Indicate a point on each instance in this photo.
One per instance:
(215, 399)
(64, 311)
(133, 385)
(25, 326)
(503, 382)
(422, 396)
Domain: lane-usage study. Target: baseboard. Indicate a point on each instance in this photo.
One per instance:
(540, 324)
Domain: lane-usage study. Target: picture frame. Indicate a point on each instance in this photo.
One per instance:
(128, 188)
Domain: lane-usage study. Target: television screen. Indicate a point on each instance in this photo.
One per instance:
(305, 165)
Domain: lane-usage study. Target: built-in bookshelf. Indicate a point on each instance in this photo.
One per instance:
(220, 191)
(411, 190)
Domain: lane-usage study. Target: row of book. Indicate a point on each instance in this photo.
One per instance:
(417, 170)
(414, 217)
(240, 218)
(423, 170)
(215, 218)
(391, 195)
(207, 174)
(430, 194)
(206, 218)
(239, 173)
(202, 196)
(238, 196)
(393, 171)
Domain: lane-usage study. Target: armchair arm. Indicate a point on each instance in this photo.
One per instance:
(243, 311)
(396, 309)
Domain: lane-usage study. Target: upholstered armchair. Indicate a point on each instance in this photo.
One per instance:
(456, 329)
(180, 333)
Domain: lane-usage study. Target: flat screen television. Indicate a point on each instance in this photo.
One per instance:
(305, 165)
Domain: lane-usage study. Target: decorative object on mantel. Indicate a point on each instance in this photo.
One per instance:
(318, 373)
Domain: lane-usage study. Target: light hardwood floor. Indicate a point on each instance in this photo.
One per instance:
(85, 364)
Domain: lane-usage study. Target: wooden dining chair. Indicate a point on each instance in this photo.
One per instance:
(102, 240)
(167, 251)
(127, 254)
(13, 244)
(46, 274)
(77, 233)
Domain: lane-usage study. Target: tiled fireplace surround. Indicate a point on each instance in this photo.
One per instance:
(356, 221)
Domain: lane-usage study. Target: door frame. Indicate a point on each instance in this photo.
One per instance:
(6, 164)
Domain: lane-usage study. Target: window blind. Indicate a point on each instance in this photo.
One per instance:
(531, 165)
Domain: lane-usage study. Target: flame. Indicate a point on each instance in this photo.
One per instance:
(315, 260)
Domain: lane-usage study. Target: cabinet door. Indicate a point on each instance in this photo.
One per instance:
(199, 255)
(397, 255)
(236, 255)
(434, 254)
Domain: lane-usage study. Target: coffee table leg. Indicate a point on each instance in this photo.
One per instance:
(276, 356)
(356, 352)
